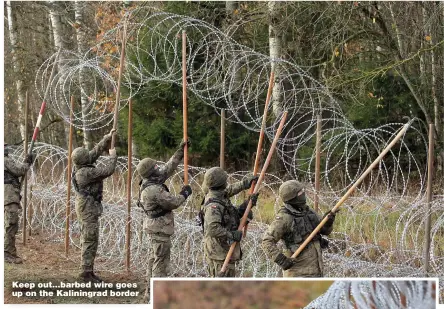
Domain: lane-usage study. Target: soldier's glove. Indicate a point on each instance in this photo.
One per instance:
(248, 181)
(112, 152)
(331, 218)
(234, 236)
(183, 143)
(186, 191)
(30, 158)
(283, 261)
(244, 205)
(222, 274)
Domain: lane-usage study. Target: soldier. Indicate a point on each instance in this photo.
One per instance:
(157, 202)
(293, 223)
(222, 219)
(87, 181)
(13, 170)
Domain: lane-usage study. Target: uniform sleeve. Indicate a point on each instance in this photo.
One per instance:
(104, 171)
(275, 232)
(169, 201)
(16, 168)
(98, 149)
(235, 188)
(174, 161)
(213, 222)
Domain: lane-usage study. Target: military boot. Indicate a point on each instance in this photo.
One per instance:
(96, 278)
(87, 276)
(13, 259)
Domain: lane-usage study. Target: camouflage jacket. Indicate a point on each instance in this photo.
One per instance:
(13, 170)
(221, 218)
(156, 200)
(293, 227)
(89, 178)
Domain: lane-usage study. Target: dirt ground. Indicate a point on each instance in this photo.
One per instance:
(44, 261)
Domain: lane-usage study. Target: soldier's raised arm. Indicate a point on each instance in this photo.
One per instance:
(169, 201)
(106, 169)
(240, 186)
(98, 149)
(175, 160)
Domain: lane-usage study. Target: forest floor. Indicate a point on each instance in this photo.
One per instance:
(45, 261)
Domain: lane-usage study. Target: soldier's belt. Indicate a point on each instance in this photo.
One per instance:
(157, 215)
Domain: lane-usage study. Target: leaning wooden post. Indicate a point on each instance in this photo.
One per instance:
(30, 210)
(128, 185)
(261, 137)
(222, 138)
(69, 170)
(256, 189)
(184, 97)
(25, 178)
(352, 189)
(318, 163)
(430, 159)
(119, 80)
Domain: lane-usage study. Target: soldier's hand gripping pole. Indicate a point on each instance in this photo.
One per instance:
(42, 108)
(119, 80)
(352, 188)
(184, 98)
(261, 137)
(256, 189)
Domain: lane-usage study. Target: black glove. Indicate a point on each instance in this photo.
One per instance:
(249, 181)
(183, 143)
(30, 158)
(186, 191)
(283, 261)
(253, 199)
(235, 236)
(331, 217)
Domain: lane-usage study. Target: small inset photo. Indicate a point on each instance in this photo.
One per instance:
(307, 294)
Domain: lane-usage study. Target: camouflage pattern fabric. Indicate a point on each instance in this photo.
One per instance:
(88, 206)
(291, 226)
(158, 259)
(13, 170)
(220, 219)
(214, 267)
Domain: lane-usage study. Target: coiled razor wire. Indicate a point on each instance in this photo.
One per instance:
(377, 295)
(356, 248)
(225, 74)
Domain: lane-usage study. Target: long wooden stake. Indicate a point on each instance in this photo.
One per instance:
(30, 210)
(256, 189)
(184, 97)
(222, 138)
(352, 189)
(128, 186)
(119, 80)
(68, 197)
(430, 159)
(261, 136)
(318, 163)
(25, 178)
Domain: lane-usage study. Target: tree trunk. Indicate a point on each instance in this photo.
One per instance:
(17, 65)
(275, 42)
(82, 47)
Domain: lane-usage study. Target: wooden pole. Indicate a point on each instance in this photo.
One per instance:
(30, 210)
(119, 80)
(184, 97)
(261, 136)
(256, 189)
(69, 170)
(352, 189)
(128, 186)
(25, 178)
(429, 193)
(222, 138)
(318, 162)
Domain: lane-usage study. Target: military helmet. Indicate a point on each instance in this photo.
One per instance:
(80, 156)
(215, 177)
(289, 190)
(146, 167)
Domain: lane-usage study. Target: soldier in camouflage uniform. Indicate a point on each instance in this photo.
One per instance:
(158, 203)
(87, 181)
(13, 170)
(222, 219)
(294, 222)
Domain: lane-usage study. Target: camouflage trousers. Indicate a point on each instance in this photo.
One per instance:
(12, 213)
(88, 215)
(158, 259)
(214, 267)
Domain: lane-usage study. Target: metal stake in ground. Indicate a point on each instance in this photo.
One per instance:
(350, 191)
(25, 178)
(68, 197)
(318, 163)
(184, 97)
(256, 189)
(222, 138)
(128, 186)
